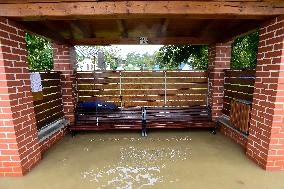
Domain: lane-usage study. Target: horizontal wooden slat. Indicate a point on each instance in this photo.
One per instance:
(98, 81)
(47, 105)
(142, 92)
(143, 86)
(239, 73)
(53, 76)
(110, 74)
(48, 98)
(188, 74)
(240, 81)
(237, 95)
(46, 113)
(145, 98)
(52, 89)
(104, 74)
(48, 83)
(177, 103)
(143, 80)
(239, 88)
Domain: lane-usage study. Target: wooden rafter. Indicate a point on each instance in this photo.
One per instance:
(163, 27)
(121, 24)
(238, 30)
(130, 9)
(135, 40)
(40, 29)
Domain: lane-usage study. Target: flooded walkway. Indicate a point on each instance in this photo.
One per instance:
(164, 159)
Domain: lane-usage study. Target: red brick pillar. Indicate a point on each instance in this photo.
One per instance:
(19, 149)
(65, 61)
(219, 56)
(266, 135)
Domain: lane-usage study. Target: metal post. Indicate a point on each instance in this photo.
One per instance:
(144, 121)
(165, 81)
(120, 86)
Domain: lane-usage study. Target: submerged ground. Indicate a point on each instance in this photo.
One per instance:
(164, 159)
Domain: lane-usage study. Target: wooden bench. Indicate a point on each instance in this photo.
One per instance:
(169, 99)
(131, 118)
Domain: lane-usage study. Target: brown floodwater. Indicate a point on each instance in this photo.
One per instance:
(164, 159)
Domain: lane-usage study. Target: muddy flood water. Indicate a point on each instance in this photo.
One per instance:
(164, 159)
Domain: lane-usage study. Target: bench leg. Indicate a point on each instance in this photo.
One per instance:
(144, 134)
(144, 128)
(214, 131)
(73, 133)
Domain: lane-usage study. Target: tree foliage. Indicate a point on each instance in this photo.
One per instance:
(244, 54)
(169, 57)
(244, 51)
(91, 52)
(40, 56)
(135, 61)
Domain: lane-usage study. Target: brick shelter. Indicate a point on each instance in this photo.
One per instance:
(20, 149)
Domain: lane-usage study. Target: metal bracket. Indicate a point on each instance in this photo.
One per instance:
(144, 122)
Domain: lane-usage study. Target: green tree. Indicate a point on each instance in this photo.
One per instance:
(135, 61)
(244, 54)
(169, 57)
(91, 52)
(40, 55)
(244, 51)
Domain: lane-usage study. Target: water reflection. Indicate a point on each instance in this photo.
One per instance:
(125, 176)
(153, 155)
(140, 165)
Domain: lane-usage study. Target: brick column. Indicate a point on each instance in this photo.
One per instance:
(64, 61)
(266, 135)
(19, 149)
(219, 56)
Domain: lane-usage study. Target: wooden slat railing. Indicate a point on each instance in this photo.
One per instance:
(49, 108)
(238, 96)
(144, 88)
(239, 84)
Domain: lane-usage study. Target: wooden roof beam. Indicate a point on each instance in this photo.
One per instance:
(131, 9)
(40, 29)
(135, 41)
(239, 30)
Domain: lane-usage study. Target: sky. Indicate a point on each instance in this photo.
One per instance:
(140, 49)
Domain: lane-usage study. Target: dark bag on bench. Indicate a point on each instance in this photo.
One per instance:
(98, 105)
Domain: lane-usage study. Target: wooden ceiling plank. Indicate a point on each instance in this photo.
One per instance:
(58, 1)
(130, 9)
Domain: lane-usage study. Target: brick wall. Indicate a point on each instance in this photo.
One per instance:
(19, 149)
(64, 61)
(219, 59)
(266, 139)
(234, 135)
